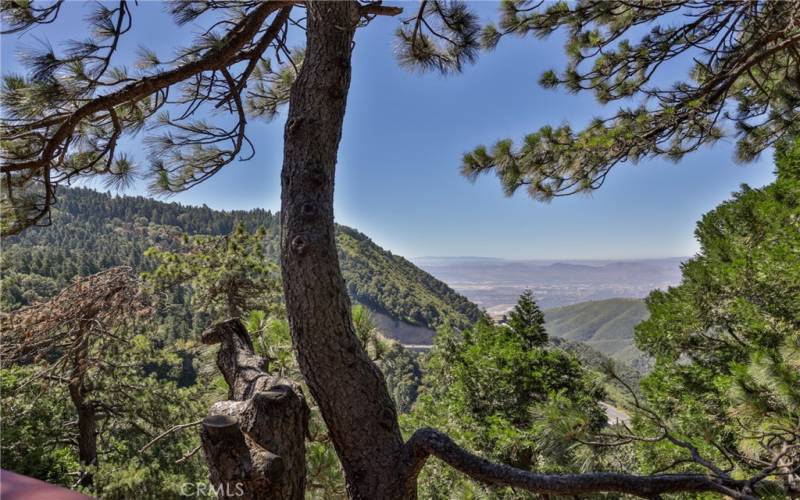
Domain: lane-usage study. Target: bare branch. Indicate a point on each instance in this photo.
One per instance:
(429, 442)
(378, 9)
(169, 431)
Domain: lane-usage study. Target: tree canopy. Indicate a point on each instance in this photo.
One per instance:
(742, 65)
(86, 386)
(490, 386)
(725, 342)
(230, 276)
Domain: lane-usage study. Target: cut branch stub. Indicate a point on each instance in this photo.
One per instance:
(222, 428)
(255, 442)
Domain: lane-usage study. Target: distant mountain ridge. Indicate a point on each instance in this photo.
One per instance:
(495, 284)
(92, 231)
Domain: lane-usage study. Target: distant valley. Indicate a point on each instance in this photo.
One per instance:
(93, 231)
(595, 303)
(495, 284)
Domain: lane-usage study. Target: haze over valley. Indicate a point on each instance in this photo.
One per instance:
(495, 284)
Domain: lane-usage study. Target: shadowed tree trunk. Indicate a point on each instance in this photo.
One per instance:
(255, 442)
(87, 419)
(348, 387)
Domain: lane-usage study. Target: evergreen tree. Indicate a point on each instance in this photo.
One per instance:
(527, 321)
(491, 386)
(725, 342)
(229, 276)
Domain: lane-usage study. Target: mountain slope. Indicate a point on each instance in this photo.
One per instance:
(605, 325)
(92, 231)
(394, 286)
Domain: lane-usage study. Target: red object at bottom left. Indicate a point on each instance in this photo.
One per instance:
(18, 487)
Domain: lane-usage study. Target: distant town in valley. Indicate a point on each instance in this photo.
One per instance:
(495, 284)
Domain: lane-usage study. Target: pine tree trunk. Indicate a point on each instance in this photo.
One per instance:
(349, 388)
(87, 419)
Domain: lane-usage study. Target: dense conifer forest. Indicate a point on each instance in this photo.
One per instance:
(92, 231)
(507, 391)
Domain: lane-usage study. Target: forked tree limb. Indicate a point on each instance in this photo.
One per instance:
(428, 442)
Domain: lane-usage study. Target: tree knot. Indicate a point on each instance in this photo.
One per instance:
(299, 244)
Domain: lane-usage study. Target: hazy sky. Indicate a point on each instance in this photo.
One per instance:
(405, 133)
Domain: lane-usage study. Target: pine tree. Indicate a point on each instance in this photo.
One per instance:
(229, 276)
(725, 342)
(489, 387)
(527, 321)
(745, 64)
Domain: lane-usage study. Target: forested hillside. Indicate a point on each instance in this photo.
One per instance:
(93, 231)
(605, 325)
(207, 368)
(598, 363)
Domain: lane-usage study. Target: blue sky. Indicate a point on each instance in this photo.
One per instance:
(397, 178)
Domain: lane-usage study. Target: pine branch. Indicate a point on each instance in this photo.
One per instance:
(55, 149)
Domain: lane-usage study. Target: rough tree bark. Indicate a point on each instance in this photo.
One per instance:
(87, 418)
(254, 443)
(349, 388)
